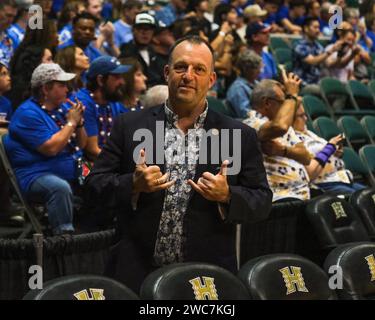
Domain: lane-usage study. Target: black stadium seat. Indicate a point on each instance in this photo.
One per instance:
(357, 262)
(335, 222)
(364, 202)
(192, 281)
(82, 287)
(285, 277)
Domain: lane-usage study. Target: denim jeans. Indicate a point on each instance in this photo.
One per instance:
(57, 196)
(341, 187)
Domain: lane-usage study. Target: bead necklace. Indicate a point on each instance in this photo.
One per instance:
(105, 118)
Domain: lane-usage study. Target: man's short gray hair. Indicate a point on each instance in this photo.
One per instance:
(248, 60)
(264, 89)
(155, 95)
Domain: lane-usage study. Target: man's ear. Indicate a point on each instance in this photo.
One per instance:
(166, 72)
(213, 77)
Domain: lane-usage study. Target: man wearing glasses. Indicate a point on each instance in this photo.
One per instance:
(274, 109)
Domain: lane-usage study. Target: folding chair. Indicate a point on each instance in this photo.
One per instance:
(31, 213)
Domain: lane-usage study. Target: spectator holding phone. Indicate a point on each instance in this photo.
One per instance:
(326, 169)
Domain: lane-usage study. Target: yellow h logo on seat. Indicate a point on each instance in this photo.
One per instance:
(293, 279)
(204, 290)
(371, 264)
(338, 209)
(95, 294)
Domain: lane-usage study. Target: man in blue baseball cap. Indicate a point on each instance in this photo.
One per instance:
(101, 98)
(258, 37)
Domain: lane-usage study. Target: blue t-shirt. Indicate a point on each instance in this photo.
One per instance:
(6, 48)
(123, 33)
(16, 33)
(269, 70)
(29, 129)
(371, 35)
(282, 13)
(96, 116)
(6, 107)
(89, 51)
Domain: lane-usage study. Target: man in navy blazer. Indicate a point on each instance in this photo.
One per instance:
(184, 205)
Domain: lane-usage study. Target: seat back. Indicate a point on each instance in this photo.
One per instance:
(277, 43)
(355, 135)
(219, 106)
(315, 107)
(354, 163)
(335, 221)
(31, 214)
(368, 123)
(364, 202)
(326, 128)
(361, 95)
(367, 154)
(285, 277)
(82, 287)
(357, 262)
(283, 55)
(331, 89)
(193, 281)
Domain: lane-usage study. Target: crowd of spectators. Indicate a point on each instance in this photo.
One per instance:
(62, 86)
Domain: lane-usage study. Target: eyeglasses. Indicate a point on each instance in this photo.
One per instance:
(280, 101)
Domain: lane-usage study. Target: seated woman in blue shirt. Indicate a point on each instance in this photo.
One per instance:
(249, 65)
(44, 145)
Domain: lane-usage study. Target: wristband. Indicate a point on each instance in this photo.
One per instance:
(323, 155)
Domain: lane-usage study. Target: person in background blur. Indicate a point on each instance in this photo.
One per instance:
(249, 65)
(9, 213)
(102, 97)
(154, 96)
(65, 21)
(252, 14)
(84, 35)
(326, 169)
(123, 26)
(73, 60)
(17, 30)
(174, 10)
(8, 11)
(135, 84)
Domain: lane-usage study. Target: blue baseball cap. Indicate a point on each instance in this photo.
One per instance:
(106, 65)
(255, 28)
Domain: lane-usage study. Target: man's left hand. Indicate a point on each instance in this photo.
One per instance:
(213, 187)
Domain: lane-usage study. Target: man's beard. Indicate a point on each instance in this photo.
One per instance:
(115, 96)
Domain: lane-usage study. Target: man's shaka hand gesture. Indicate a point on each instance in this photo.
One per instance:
(213, 187)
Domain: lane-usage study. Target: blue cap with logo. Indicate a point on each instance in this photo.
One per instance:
(106, 65)
(256, 27)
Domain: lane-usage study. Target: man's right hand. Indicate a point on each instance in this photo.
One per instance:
(149, 178)
(291, 82)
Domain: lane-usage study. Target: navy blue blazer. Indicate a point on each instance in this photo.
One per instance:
(209, 238)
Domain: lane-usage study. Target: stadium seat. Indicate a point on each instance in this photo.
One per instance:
(35, 225)
(326, 128)
(332, 89)
(361, 96)
(368, 123)
(283, 55)
(357, 263)
(335, 222)
(277, 43)
(219, 106)
(82, 287)
(367, 154)
(364, 202)
(193, 281)
(315, 107)
(354, 163)
(371, 86)
(285, 277)
(355, 135)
